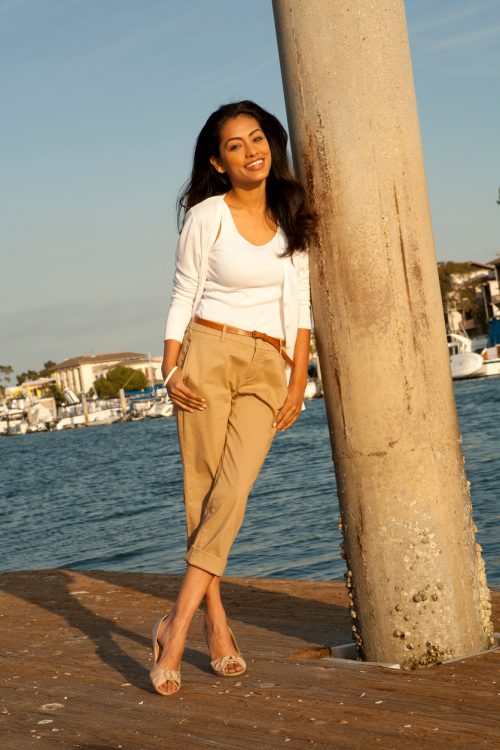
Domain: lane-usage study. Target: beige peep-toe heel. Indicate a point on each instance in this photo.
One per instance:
(220, 665)
(160, 675)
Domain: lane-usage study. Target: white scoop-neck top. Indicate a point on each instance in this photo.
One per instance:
(244, 284)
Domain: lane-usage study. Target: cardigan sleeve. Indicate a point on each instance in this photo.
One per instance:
(304, 294)
(186, 278)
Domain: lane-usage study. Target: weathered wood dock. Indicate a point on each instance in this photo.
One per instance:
(75, 655)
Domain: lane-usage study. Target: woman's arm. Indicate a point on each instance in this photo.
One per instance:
(171, 349)
(187, 269)
(293, 404)
(303, 289)
(177, 390)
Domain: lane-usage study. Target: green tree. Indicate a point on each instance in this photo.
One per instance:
(57, 393)
(447, 285)
(108, 386)
(35, 374)
(6, 372)
(45, 371)
(28, 375)
(5, 375)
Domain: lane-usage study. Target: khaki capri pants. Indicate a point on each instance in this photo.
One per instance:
(223, 447)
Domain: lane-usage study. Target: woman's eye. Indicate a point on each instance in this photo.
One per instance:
(259, 138)
(234, 147)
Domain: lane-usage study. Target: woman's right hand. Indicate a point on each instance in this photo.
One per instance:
(182, 396)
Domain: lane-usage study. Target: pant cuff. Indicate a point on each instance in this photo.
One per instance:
(205, 561)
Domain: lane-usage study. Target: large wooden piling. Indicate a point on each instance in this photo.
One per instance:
(415, 574)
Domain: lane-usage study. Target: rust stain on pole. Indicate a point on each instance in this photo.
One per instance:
(415, 576)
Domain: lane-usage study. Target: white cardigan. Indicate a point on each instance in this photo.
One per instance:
(198, 235)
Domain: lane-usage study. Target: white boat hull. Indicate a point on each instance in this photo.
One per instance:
(313, 389)
(465, 365)
(470, 365)
(160, 409)
(105, 416)
(489, 368)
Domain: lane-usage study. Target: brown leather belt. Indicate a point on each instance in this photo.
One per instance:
(278, 344)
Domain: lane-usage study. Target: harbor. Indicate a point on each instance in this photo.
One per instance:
(59, 403)
(31, 407)
(27, 415)
(112, 497)
(99, 389)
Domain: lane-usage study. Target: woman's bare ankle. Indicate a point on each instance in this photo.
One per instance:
(216, 620)
(172, 634)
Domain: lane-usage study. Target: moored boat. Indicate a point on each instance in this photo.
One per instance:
(482, 363)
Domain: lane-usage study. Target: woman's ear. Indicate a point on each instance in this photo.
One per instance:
(216, 165)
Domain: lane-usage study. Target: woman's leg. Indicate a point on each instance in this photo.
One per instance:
(172, 635)
(234, 435)
(249, 435)
(220, 642)
(196, 584)
(202, 436)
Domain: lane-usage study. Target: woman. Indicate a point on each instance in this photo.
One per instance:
(236, 353)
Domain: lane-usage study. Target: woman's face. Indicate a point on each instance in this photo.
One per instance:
(244, 152)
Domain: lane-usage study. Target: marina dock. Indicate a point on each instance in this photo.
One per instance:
(76, 651)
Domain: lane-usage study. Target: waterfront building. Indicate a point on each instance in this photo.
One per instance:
(491, 290)
(35, 389)
(80, 373)
(474, 298)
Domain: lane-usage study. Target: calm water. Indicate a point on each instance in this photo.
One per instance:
(110, 497)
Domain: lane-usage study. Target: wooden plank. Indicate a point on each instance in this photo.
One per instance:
(76, 651)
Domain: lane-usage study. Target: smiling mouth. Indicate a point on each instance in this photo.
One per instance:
(257, 164)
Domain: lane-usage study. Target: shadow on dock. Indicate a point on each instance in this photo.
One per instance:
(280, 612)
(76, 655)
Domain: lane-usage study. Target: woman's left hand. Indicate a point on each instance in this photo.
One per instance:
(292, 407)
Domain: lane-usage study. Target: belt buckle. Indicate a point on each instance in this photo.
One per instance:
(254, 334)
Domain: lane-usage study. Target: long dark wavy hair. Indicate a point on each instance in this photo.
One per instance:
(286, 198)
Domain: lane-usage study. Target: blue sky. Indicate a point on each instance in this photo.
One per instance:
(101, 105)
